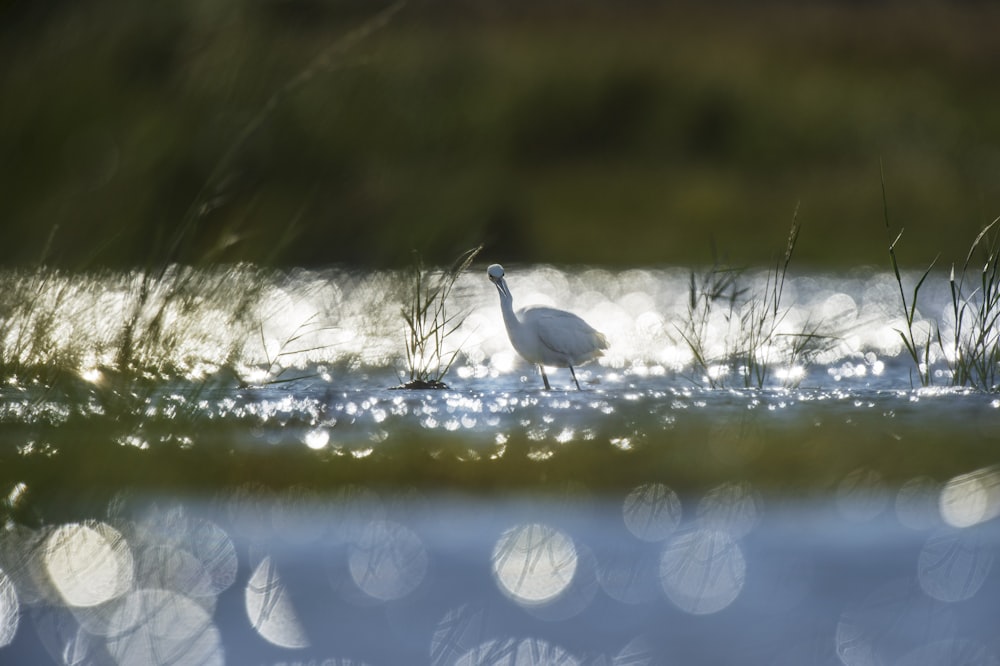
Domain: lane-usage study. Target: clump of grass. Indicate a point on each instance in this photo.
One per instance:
(429, 323)
(761, 319)
(153, 341)
(32, 304)
(973, 351)
(752, 321)
(294, 345)
(717, 287)
(975, 358)
(919, 348)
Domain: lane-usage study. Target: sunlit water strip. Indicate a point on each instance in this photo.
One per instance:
(322, 415)
(263, 325)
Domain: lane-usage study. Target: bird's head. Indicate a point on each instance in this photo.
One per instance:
(495, 272)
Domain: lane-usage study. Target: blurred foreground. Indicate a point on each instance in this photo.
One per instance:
(623, 134)
(640, 577)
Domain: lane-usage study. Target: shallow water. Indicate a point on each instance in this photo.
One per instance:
(348, 325)
(254, 492)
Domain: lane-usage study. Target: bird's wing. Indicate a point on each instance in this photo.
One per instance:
(565, 334)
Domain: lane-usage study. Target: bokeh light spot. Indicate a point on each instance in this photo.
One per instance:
(458, 633)
(971, 498)
(733, 508)
(534, 563)
(577, 597)
(629, 575)
(861, 495)
(270, 608)
(917, 503)
(702, 571)
(157, 627)
(388, 562)
(10, 610)
(88, 564)
(893, 620)
(514, 652)
(317, 438)
(652, 511)
(953, 565)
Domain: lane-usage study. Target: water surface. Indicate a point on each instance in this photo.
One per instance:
(212, 466)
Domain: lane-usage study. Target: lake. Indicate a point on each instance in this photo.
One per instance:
(211, 466)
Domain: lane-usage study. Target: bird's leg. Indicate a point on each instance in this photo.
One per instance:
(572, 372)
(545, 379)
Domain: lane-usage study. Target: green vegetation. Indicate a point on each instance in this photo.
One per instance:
(717, 286)
(31, 307)
(971, 349)
(919, 351)
(751, 318)
(116, 336)
(428, 322)
(975, 353)
(300, 132)
(762, 318)
(274, 369)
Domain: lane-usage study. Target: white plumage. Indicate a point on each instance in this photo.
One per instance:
(547, 336)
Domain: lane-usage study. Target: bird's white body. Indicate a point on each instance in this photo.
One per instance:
(547, 336)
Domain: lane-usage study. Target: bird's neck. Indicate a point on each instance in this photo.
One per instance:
(507, 307)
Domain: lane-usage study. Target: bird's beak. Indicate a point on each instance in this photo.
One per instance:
(500, 285)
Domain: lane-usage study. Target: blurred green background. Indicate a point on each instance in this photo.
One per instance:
(620, 133)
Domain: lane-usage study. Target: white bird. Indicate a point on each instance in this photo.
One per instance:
(547, 336)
